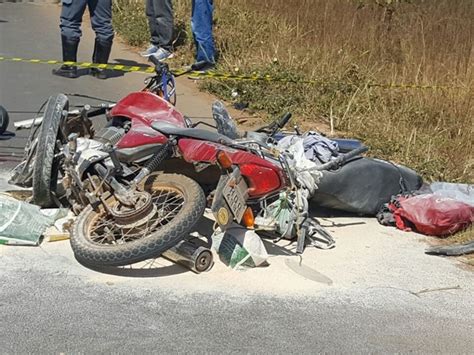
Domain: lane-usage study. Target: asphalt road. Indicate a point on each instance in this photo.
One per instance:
(51, 304)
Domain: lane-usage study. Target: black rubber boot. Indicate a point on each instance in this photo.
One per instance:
(101, 55)
(69, 55)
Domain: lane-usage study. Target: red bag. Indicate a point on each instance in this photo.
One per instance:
(433, 215)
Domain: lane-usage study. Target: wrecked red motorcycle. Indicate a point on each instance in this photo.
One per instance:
(128, 214)
(139, 184)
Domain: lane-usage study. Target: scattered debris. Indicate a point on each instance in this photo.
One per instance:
(458, 192)
(240, 105)
(57, 237)
(22, 223)
(22, 195)
(426, 290)
(428, 214)
(61, 229)
(192, 254)
(239, 247)
(452, 250)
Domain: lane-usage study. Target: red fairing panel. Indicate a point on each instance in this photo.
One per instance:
(194, 151)
(143, 108)
(202, 151)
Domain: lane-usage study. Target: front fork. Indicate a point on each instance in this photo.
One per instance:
(124, 194)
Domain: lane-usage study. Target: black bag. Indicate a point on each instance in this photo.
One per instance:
(363, 185)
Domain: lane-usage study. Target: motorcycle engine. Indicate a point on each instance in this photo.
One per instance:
(110, 135)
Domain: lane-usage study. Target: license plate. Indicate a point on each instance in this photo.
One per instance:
(235, 195)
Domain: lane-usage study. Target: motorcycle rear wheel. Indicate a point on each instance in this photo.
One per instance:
(98, 240)
(46, 166)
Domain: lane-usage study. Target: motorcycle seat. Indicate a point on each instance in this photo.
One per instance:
(201, 134)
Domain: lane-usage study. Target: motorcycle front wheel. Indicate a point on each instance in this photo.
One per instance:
(99, 238)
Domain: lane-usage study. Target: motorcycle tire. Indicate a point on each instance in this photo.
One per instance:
(89, 251)
(4, 120)
(45, 170)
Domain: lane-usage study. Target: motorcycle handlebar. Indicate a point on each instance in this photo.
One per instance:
(96, 112)
(278, 123)
(159, 66)
(284, 120)
(154, 60)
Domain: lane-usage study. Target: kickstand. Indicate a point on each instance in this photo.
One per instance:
(300, 242)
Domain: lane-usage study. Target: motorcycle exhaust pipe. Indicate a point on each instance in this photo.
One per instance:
(191, 255)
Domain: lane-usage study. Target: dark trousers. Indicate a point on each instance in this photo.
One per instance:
(101, 18)
(160, 22)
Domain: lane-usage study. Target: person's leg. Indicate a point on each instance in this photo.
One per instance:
(101, 20)
(70, 25)
(150, 14)
(160, 23)
(162, 39)
(201, 25)
(164, 22)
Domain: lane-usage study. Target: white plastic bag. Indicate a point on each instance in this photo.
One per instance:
(240, 247)
(22, 223)
(299, 162)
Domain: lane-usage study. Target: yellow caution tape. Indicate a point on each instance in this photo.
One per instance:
(119, 67)
(213, 74)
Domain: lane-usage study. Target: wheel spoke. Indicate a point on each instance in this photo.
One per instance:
(168, 203)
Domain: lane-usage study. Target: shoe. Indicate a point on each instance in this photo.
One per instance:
(162, 54)
(151, 50)
(101, 56)
(69, 48)
(66, 71)
(201, 68)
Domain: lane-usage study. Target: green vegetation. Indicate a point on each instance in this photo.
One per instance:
(345, 45)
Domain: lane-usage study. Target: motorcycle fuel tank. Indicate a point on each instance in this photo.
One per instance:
(144, 108)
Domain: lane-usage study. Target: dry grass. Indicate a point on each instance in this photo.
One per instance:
(460, 238)
(345, 45)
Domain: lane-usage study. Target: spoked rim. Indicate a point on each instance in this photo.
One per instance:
(167, 203)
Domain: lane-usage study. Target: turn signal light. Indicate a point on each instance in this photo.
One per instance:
(248, 220)
(224, 160)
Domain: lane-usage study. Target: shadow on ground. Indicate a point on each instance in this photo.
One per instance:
(149, 268)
